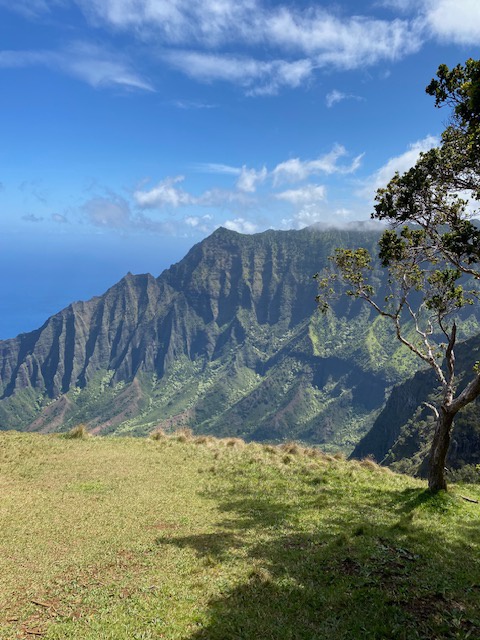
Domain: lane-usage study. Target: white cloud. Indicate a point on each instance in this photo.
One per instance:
(241, 225)
(111, 212)
(347, 43)
(325, 37)
(454, 21)
(164, 194)
(200, 223)
(305, 195)
(295, 170)
(210, 22)
(400, 163)
(311, 214)
(294, 40)
(249, 178)
(84, 61)
(257, 76)
(336, 96)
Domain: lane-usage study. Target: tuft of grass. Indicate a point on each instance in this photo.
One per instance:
(183, 434)
(234, 442)
(158, 434)
(268, 448)
(291, 447)
(369, 463)
(79, 432)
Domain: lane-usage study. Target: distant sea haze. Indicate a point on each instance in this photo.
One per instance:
(39, 278)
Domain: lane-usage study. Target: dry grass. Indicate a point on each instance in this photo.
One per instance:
(268, 448)
(291, 447)
(79, 432)
(234, 442)
(369, 463)
(158, 434)
(184, 434)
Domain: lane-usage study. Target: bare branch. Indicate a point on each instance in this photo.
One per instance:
(432, 408)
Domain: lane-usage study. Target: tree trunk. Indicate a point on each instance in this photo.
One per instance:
(439, 449)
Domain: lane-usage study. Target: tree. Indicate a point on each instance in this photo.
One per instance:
(431, 252)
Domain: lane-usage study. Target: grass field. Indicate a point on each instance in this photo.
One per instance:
(125, 539)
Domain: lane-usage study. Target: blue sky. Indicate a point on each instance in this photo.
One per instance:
(131, 129)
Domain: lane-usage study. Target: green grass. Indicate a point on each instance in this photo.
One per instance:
(177, 538)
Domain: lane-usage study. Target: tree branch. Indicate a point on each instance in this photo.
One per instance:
(432, 408)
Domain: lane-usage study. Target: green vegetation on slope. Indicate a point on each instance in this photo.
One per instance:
(201, 539)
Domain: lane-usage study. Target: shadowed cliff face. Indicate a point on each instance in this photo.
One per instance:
(227, 341)
(402, 433)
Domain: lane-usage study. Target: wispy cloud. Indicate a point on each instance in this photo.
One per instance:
(336, 96)
(260, 46)
(187, 105)
(323, 35)
(258, 77)
(215, 167)
(87, 62)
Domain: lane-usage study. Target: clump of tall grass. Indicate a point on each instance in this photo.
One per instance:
(291, 447)
(158, 434)
(370, 464)
(79, 432)
(235, 442)
(270, 448)
(183, 435)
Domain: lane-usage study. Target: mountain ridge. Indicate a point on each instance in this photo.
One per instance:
(227, 341)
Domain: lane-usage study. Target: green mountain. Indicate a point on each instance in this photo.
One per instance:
(228, 342)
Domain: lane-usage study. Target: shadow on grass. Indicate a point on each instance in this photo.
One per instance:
(348, 576)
